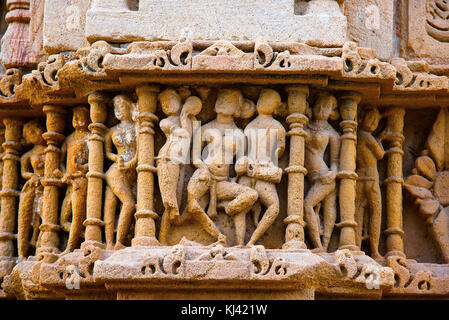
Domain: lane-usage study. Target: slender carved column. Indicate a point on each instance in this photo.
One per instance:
(95, 176)
(297, 105)
(48, 246)
(16, 50)
(9, 194)
(394, 182)
(145, 234)
(347, 191)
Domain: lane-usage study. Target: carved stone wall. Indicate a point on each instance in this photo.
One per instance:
(138, 163)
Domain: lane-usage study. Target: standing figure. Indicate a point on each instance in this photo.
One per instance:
(213, 173)
(32, 166)
(322, 193)
(75, 149)
(121, 178)
(266, 143)
(172, 157)
(369, 151)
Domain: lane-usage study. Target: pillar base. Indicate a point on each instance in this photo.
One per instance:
(145, 242)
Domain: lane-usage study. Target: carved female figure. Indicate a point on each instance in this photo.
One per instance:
(75, 149)
(213, 173)
(321, 136)
(32, 167)
(265, 135)
(369, 151)
(172, 157)
(122, 175)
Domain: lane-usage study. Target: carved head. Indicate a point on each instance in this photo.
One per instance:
(229, 102)
(370, 120)
(123, 107)
(325, 107)
(32, 132)
(170, 101)
(269, 101)
(81, 118)
(192, 105)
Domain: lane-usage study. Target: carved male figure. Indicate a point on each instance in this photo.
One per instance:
(322, 193)
(213, 173)
(75, 150)
(172, 157)
(32, 167)
(265, 135)
(122, 175)
(369, 151)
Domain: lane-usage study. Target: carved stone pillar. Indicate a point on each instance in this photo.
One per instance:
(16, 50)
(145, 234)
(9, 193)
(394, 182)
(95, 176)
(48, 246)
(347, 175)
(297, 106)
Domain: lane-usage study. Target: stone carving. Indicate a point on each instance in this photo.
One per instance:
(368, 198)
(121, 176)
(213, 173)
(178, 129)
(266, 143)
(411, 76)
(30, 205)
(9, 81)
(437, 25)
(362, 63)
(322, 176)
(76, 152)
(149, 57)
(429, 183)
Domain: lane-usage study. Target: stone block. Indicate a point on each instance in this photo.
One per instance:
(320, 22)
(64, 25)
(370, 24)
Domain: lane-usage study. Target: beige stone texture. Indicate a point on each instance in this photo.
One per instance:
(64, 25)
(319, 171)
(370, 24)
(420, 40)
(321, 22)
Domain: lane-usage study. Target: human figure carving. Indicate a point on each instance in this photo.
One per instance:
(121, 177)
(213, 173)
(75, 151)
(178, 128)
(322, 193)
(369, 151)
(265, 135)
(32, 165)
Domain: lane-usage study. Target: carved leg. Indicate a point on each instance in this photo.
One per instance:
(198, 186)
(110, 209)
(360, 203)
(329, 216)
(25, 217)
(269, 198)
(242, 199)
(66, 209)
(375, 211)
(78, 214)
(317, 193)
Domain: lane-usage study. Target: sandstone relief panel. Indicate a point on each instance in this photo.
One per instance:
(167, 150)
